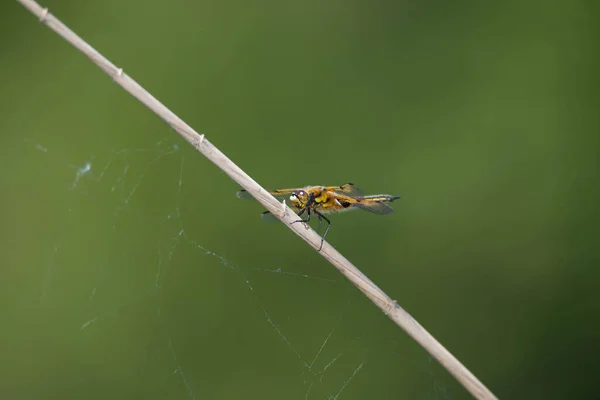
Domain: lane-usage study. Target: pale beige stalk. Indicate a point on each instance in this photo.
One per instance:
(377, 296)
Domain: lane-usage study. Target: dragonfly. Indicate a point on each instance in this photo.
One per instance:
(321, 200)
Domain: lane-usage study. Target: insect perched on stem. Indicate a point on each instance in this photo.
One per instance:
(320, 200)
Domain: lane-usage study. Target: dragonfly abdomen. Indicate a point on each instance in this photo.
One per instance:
(381, 198)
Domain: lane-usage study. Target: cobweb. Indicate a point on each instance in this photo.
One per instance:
(148, 308)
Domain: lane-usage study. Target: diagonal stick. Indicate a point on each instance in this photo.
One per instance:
(375, 294)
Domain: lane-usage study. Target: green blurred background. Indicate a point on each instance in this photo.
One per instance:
(131, 270)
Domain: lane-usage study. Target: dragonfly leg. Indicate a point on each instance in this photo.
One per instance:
(307, 216)
(319, 226)
(322, 217)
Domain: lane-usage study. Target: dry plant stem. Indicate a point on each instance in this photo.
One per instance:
(374, 293)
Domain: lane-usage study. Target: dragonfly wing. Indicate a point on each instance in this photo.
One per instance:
(282, 192)
(244, 195)
(375, 208)
(267, 216)
(349, 189)
(279, 194)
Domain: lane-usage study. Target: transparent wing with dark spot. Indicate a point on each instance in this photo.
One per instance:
(349, 189)
(378, 208)
(278, 194)
(267, 216)
(244, 195)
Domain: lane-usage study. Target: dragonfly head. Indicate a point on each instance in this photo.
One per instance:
(299, 199)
